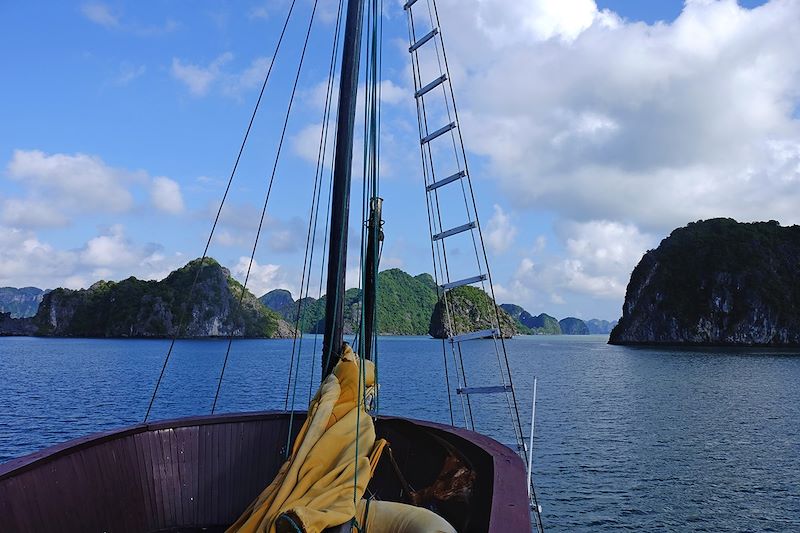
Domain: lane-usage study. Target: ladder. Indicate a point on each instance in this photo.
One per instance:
(448, 191)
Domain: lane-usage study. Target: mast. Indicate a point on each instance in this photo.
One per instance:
(374, 238)
(340, 196)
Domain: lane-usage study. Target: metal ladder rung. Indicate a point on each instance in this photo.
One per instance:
(428, 36)
(409, 4)
(440, 131)
(431, 86)
(484, 390)
(483, 334)
(455, 231)
(462, 282)
(449, 179)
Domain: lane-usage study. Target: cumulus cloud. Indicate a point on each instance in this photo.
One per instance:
(111, 248)
(263, 278)
(535, 20)
(31, 213)
(500, 231)
(251, 77)
(58, 187)
(76, 182)
(599, 257)
(305, 143)
(166, 195)
(26, 259)
(594, 117)
(198, 78)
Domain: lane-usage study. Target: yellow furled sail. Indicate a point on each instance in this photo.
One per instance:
(314, 489)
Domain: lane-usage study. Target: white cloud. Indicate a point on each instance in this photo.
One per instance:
(606, 248)
(500, 231)
(128, 73)
(263, 278)
(535, 20)
(596, 118)
(26, 260)
(391, 93)
(109, 249)
(306, 142)
(199, 78)
(59, 187)
(31, 213)
(166, 195)
(599, 257)
(101, 14)
(251, 77)
(76, 182)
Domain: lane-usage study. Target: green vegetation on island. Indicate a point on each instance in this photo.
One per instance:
(468, 309)
(573, 326)
(137, 308)
(404, 305)
(716, 282)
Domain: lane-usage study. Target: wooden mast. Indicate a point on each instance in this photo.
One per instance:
(340, 196)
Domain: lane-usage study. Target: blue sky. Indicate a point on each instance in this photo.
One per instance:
(593, 129)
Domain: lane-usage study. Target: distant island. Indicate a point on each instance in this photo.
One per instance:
(407, 305)
(20, 303)
(136, 308)
(716, 282)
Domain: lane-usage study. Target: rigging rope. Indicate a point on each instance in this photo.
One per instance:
(439, 248)
(311, 236)
(269, 191)
(467, 190)
(181, 322)
(480, 234)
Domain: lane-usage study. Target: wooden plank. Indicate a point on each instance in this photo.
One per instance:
(206, 466)
(137, 515)
(164, 476)
(186, 466)
(159, 517)
(174, 471)
(231, 472)
(145, 486)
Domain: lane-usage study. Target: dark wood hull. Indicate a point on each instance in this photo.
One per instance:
(198, 474)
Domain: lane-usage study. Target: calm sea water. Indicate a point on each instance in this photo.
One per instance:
(627, 438)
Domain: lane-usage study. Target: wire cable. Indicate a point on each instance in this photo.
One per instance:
(181, 322)
(269, 192)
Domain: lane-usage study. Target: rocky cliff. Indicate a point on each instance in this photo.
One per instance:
(600, 327)
(520, 316)
(716, 282)
(279, 300)
(20, 303)
(471, 310)
(573, 326)
(11, 326)
(136, 308)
